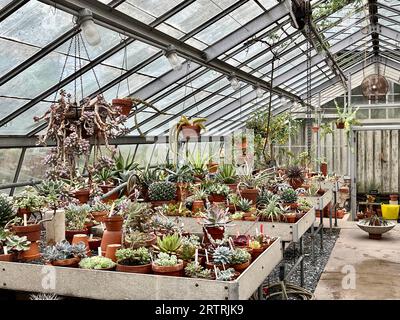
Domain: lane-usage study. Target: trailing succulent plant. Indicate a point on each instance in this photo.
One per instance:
(222, 255)
(137, 215)
(133, 257)
(76, 216)
(240, 256)
(137, 239)
(162, 191)
(165, 260)
(29, 199)
(244, 205)
(96, 262)
(194, 270)
(7, 211)
(225, 275)
(169, 244)
(289, 196)
(64, 250)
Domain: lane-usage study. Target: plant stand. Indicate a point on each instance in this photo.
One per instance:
(107, 285)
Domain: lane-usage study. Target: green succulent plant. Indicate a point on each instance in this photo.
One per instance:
(215, 216)
(222, 255)
(133, 257)
(137, 239)
(29, 199)
(165, 260)
(237, 216)
(265, 196)
(169, 243)
(76, 216)
(244, 205)
(162, 191)
(218, 188)
(16, 243)
(226, 174)
(289, 196)
(194, 270)
(96, 263)
(240, 256)
(225, 275)
(64, 250)
(7, 211)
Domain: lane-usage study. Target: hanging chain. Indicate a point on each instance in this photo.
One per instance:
(75, 65)
(308, 100)
(124, 68)
(87, 54)
(80, 67)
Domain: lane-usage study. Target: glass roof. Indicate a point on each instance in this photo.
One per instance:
(39, 50)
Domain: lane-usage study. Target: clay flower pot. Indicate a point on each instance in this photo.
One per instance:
(256, 252)
(99, 216)
(69, 234)
(31, 231)
(114, 223)
(291, 217)
(144, 268)
(111, 250)
(340, 213)
(232, 186)
(340, 125)
(125, 105)
(181, 191)
(217, 198)
(82, 195)
(105, 188)
(70, 263)
(22, 211)
(250, 218)
(242, 266)
(94, 243)
(197, 206)
(82, 238)
(215, 232)
(148, 243)
(212, 167)
(174, 271)
(9, 257)
(249, 194)
(32, 253)
(190, 131)
(324, 169)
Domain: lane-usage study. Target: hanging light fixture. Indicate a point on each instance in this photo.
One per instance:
(89, 28)
(235, 84)
(259, 90)
(173, 58)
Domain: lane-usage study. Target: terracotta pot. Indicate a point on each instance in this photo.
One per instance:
(31, 231)
(107, 188)
(232, 208)
(296, 183)
(94, 243)
(290, 218)
(249, 194)
(114, 223)
(198, 206)
(82, 238)
(250, 218)
(99, 216)
(217, 198)
(232, 187)
(340, 213)
(174, 271)
(217, 233)
(256, 252)
(9, 257)
(190, 131)
(70, 263)
(69, 234)
(110, 237)
(241, 267)
(160, 203)
(32, 253)
(22, 211)
(125, 105)
(212, 167)
(199, 177)
(82, 195)
(315, 129)
(324, 169)
(145, 268)
(181, 191)
(110, 251)
(394, 197)
(340, 125)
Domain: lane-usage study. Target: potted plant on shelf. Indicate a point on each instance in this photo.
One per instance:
(162, 192)
(169, 244)
(221, 258)
(272, 212)
(240, 259)
(233, 201)
(63, 254)
(104, 178)
(183, 177)
(137, 239)
(346, 117)
(99, 210)
(199, 197)
(168, 265)
(12, 246)
(196, 270)
(7, 212)
(97, 263)
(264, 197)
(124, 105)
(76, 217)
(212, 166)
(133, 260)
(218, 192)
(303, 207)
(28, 201)
(295, 176)
(226, 275)
(227, 175)
(189, 128)
(247, 209)
(214, 220)
(289, 198)
(187, 251)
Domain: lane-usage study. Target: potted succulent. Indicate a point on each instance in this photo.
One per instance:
(237, 216)
(97, 263)
(7, 211)
(214, 220)
(289, 198)
(28, 201)
(250, 184)
(226, 275)
(258, 245)
(189, 128)
(168, 265)
(240, 259)
(162, 192)
(264, 197)
(76, 217)
(113, 229)
(218, 192)
(227, 175)
(198, 161)
(80, 190)
(272, 212)
(182, 176)
(99, 210)
(187, 250)
(233, 201)
(133, 260)
(346, 117)
(199, 196)
(221, 258)
(104, 178)
(169, 244)
(303, 207)
(137, 239)
(196, 270)
(12, 246)
(63, 254)
(295, 176)
(124, 105)
(246, 207)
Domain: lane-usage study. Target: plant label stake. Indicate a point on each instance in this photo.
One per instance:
(112, 209)
(196, 257)
(25, 220)
(99, 253)
(102, 226)
(230, 243)
(207, 256)
(262, 229)
(5, 250)
(91, 236)
(215, 271)
(256, 232)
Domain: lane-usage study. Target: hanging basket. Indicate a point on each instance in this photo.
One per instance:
(125, 105)
(190, 131)
(340, 125)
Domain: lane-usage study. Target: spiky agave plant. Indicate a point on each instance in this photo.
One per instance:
(7, 211)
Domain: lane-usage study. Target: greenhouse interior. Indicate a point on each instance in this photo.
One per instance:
(199, 149)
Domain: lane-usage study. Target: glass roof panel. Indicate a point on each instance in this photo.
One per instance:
(3, 3)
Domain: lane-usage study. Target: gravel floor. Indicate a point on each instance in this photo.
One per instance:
(312, 271)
